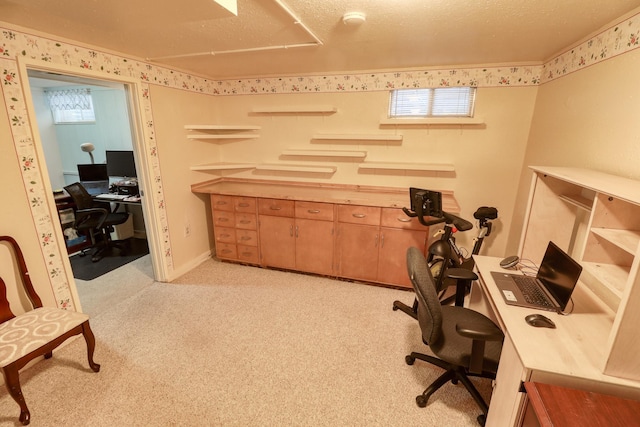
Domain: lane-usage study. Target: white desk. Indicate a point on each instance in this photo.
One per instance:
(571, 355)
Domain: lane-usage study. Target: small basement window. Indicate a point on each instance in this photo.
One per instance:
(432, 102)
(71, 105)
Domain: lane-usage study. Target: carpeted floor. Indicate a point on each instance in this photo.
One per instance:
(85, 269)
(229, 345)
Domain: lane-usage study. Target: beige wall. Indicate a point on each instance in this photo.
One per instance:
(586, 119)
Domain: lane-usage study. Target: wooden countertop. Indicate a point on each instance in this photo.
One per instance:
(386, 197)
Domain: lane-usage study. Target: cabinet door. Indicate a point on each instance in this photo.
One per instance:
(314, 246)
(357, 250)
(277, 241)
(392, 260)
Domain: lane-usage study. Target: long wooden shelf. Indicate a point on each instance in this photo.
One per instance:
(324, 153)
(223, 136)
(222, 127)
(359, 137)
(430, 167)
(295, 109)
(296, 168)
(627, 240)
(222, 166)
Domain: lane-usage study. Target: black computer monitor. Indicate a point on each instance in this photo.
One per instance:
(427, 202)
(120, 164)
(93, 172)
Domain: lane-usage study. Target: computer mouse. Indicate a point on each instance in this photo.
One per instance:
(539, 321)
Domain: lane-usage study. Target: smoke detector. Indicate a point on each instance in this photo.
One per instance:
(353, 18)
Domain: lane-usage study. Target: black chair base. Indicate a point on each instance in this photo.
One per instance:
(454, 374)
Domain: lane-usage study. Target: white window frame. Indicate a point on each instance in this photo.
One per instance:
(432, 102)
(71, 106)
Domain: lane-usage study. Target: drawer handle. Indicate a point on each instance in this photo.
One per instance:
(243, 205)
(404, 219)
(355, 215)
(275, 208)
(247, 254)
(223, 219)
(314, 211)
(245, 238)
(245, 221)
(226, 251)
(224, 236)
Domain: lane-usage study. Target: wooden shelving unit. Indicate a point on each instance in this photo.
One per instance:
(222, 132)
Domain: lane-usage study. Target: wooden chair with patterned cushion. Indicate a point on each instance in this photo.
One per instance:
(35, 333)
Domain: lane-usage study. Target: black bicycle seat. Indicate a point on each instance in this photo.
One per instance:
(486, 212)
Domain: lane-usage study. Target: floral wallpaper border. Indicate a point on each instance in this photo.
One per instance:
(616, 40)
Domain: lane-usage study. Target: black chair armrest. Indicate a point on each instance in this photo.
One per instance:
(461, 274)
(485, 331)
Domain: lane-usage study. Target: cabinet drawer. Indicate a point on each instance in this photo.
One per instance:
(244, 204)
(276, 207)
(226, 250)
(223, 218)
(221, 203)
(313, 210)
(225, 234)
(396, 218)
(247, 237)
(369, 215)
(246, 221)
(248, 254)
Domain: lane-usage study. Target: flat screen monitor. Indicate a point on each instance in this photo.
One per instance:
(93, 172)
(121, 164)
(426, 202)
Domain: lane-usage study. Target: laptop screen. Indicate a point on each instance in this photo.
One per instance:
(559, 273)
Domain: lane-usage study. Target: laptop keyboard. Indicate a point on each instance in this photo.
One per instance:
(531, 291)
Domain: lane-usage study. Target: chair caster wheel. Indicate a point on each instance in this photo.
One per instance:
(454, 381)
(409, 360)
(482, 419)
(421, 401)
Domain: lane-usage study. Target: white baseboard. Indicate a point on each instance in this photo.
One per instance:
(190, 266)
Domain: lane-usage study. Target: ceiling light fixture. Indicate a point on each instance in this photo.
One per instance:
(353, 18)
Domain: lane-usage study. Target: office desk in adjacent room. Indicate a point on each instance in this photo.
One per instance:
(571, 355)
(132, 204)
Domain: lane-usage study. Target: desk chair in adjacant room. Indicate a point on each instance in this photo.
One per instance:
(465, 342)
(35, 333)
(95, 219)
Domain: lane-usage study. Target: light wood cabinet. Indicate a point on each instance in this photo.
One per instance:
(235, 228)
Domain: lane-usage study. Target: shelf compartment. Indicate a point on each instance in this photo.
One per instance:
(325, 153)
(296, 168)
(296, 109)
(222, 127)
(627, 240)
(359, 137)
(578, 201)
(222, 166)
(430, 167)
(607, 281)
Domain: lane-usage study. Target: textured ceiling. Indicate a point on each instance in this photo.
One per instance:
(396, 34)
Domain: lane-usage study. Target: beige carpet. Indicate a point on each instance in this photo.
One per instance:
(227, 345)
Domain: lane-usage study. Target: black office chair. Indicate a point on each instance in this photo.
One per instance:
(465, 342)
(96, 220)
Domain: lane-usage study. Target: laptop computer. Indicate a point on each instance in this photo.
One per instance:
(549, 290)
(94, 178)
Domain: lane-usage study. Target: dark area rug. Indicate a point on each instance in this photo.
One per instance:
(84, 269)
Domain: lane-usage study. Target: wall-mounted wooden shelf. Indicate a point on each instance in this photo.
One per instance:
(430, 167)
(359, 137)
(325, 153)
(434, 121)
(296, 109)
(296, 168)
(222, 127)
(222, 166)
(223, 136)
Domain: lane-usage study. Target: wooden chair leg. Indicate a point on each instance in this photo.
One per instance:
(12, 381)
(91, 345)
